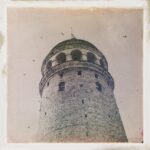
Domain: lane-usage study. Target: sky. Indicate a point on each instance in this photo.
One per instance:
(33, 32)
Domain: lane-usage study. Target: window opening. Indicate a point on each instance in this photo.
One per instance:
(79, 73)
(49, 65)
(61, 58)
(91, 57)
(76, 55)
(61, 86)
(98, 86)
(81, 85)
(96, 76)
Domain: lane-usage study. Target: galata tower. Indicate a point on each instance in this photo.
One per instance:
(77, 99)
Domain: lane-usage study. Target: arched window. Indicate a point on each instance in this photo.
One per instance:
(98, 86)
(82, 101)
(111, 83)
(79, 73)
(49, 65)
(76, 55)
(61, 86)
(91, 57)
(96, 76)
(61, 58)
(102, 63)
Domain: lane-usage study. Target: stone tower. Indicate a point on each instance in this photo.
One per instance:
(78, 103)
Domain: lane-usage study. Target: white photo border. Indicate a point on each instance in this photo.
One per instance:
(126, 4)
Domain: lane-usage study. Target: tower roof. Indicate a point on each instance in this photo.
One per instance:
(73, 43)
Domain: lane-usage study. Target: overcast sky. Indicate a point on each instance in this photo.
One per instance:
(32, 33)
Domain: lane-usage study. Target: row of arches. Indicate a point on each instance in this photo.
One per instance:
(76, 55)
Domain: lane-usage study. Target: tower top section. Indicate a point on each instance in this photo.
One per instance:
(72, 43)
(74, 54)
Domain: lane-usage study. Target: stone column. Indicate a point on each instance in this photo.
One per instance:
(84, 55)
(69, 57)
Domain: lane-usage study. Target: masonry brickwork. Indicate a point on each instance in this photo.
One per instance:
(78, 103)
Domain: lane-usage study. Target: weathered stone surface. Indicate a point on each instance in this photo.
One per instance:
(80, 113)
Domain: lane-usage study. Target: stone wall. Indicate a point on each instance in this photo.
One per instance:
(80, 113)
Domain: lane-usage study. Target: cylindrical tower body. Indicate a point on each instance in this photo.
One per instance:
(78, 104)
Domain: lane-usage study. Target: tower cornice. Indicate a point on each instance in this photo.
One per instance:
(70, 65)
